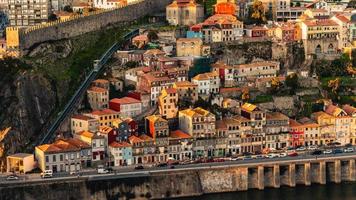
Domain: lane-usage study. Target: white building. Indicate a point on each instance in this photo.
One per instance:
(127, 106)
(208, 83)
(96, 141)
(64, 155)
(257, 69)
(121, 153)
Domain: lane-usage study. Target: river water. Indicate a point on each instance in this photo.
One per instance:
(343, 191)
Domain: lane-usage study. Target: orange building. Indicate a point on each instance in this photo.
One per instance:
(227, 7)
(156, 126)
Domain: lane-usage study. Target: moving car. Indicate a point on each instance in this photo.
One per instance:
(12, 177)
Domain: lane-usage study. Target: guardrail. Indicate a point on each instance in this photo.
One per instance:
(84, 86)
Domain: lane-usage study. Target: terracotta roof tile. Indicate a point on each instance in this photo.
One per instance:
(125, 100)
(179, 134)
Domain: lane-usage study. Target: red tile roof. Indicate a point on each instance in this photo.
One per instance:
(125, 100)
(179, 134)
(134, 139)
(119, 144)
(97, 89)
(82, 117)
(104, 112)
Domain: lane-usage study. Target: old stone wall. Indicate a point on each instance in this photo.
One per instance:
(90, 23)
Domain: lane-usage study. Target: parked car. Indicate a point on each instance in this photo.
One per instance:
(12, 177)
(327, 151)
(301, 149)
(349, 150)
(317, 152)
(312, 147)
(293, 154)
(272, 155)
(47, 174)
(259, 157)
(102, 170)
(139, 167)
(282, 155)
(337, 151)
(247, 158)
(161, 165)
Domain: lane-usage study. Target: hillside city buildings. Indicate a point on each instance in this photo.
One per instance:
(160, 105)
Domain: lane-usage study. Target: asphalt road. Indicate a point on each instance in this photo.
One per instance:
(129, 172)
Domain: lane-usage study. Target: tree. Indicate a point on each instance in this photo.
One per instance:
(334, 85)
(52, 17)
(292, 82)
(276, 84)
(245, 95)
(152, 35)
(337, 67)
(258, 12)
(67, 8)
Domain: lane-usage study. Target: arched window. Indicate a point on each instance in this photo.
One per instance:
(318, 49)
(331, 49)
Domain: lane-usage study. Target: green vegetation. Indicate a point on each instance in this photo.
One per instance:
(9, 67)
(335, 68)
(345, 81)
(292, 82)
(208, 5)
(262, 99)
(67, 72)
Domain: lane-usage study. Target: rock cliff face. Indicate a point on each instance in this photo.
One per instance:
(26, 101)
(290, 55)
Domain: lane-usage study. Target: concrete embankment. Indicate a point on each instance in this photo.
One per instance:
(186, 182)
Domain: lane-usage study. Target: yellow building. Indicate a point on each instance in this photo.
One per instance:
(20, 162)
(106, 117)
(342, 123)
(12, 37)
(320, 36)
(156, 126)
(168, 103)
(326, 125)
(185, 13)
(351, 111)
(189, 47)
(197, 122)
(83, 123)
(98, 98)
(186, 90)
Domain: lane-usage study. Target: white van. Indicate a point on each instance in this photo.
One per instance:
(102, 170)
(47, 174)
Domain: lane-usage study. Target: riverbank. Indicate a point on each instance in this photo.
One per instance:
(330, 191)
(194, 181)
